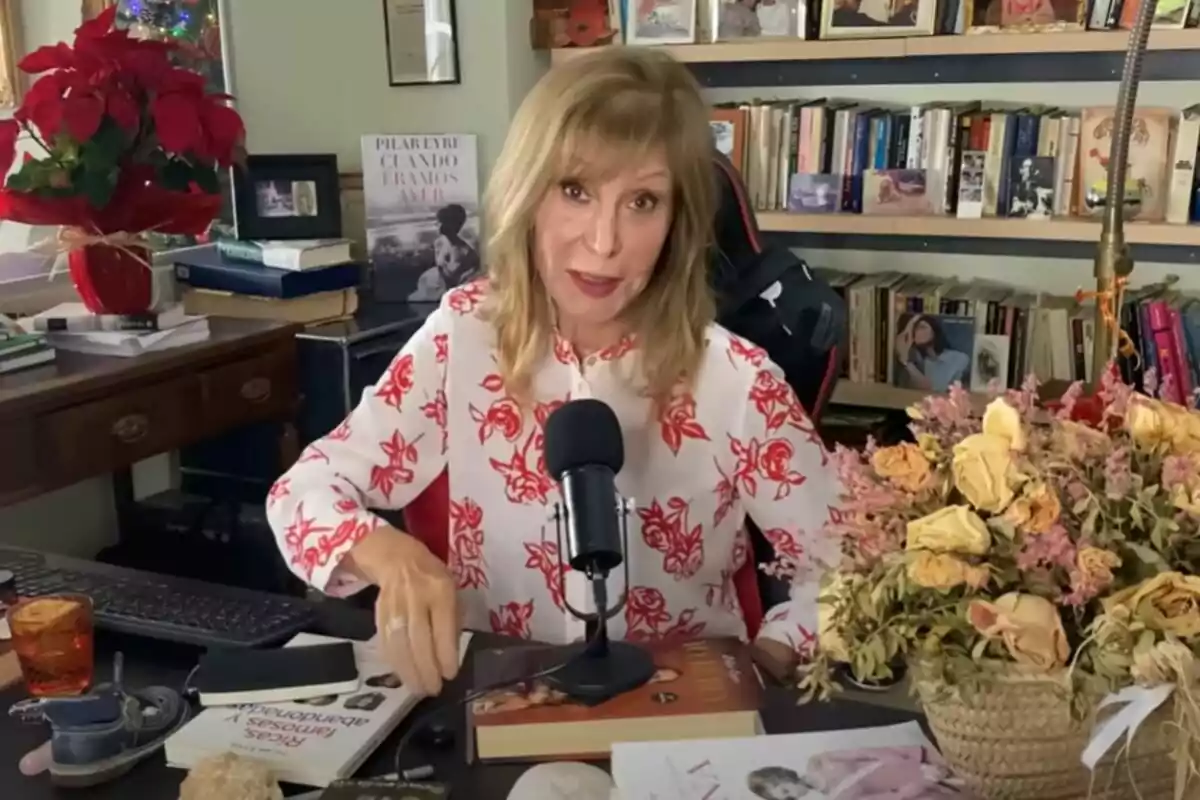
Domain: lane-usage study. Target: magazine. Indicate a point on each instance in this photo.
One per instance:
(896, 761)
(310, 742)
(422, 202)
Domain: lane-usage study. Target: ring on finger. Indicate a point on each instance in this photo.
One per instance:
(395, 624)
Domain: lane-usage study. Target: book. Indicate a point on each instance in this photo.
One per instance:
(130, 344)
(385, 790)
(26, 357)
(889, 761)
(206, 268)
(296, 254)
(313, 742)
(422, 201)
(321, 307)
(702, 689)
(75, 318)
(239, 677)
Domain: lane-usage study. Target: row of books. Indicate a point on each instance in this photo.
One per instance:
(300, 281)
(20, 350)
(957, 158)
(702, 21)
(1164, 333)
(927, 333)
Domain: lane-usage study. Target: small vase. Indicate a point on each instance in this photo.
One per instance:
(112, 280)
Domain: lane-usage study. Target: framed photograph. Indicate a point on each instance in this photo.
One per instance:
(288, 197)
(422, 42)
(876, 19)
(660, 21)
(1027, 16)
(756, 19)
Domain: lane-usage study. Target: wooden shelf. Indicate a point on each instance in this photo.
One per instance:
(970, 44)
(1061, 230)
(881, 395)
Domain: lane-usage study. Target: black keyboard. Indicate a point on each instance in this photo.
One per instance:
(160, 606)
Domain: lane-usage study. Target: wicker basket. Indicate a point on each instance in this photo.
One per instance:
(1017, 740)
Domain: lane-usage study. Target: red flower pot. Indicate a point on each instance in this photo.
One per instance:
(112, 280)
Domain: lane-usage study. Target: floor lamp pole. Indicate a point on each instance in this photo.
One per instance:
(1113, 262)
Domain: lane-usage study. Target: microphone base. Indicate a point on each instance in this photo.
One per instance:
(592, 678)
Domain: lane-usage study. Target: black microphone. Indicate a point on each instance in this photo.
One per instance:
(584, 453)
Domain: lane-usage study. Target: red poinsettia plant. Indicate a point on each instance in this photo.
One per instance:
(132, 141)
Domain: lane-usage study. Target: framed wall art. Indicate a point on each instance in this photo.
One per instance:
(876, 19)
(422, 42)
(1027, 16)
(288, 197)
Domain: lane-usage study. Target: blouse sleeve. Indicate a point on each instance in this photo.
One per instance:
(789, 487)
(383, 455)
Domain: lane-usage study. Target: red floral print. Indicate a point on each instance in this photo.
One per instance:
(678, 422)
(544, 557)
(441, 348)
(279, 490)
(341, 433)
(524, 484)
(667, 531)
(396, 471)
(437, 410)
(647, 617)
(466, 545)
(512, 619)
(313, 453)
(615, 352)
(770, 460)
(740, 349)
(465, 299)
(773, 399)
(398, 382)
(503, 416)
(785, 544)
(726, 494)
(564, 353)
(345, 503)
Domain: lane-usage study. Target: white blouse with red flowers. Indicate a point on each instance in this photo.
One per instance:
(740, 444)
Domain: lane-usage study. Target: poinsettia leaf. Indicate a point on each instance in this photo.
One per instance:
(97, 186)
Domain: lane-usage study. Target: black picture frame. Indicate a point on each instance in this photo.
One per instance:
(415, 80)
(264, 210)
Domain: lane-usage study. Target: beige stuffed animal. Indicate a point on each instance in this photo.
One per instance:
(228, 775)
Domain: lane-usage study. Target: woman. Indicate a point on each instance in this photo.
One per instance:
(601, 208)
(926, 360)
(454, 260)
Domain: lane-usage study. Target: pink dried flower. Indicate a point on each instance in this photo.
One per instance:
(1069, 398)
(1051, 549)
(1118, 474)
(1177, 470)
(1150, 381)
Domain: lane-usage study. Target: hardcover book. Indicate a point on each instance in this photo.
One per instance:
(312, 742)
(701, 689)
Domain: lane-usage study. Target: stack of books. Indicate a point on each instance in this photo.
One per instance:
(303, 281)
(20, 350)
(70, 326)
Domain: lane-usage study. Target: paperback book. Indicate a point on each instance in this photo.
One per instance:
(312, 742)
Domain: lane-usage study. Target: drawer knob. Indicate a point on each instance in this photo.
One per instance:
(256, 390)
(131, 428)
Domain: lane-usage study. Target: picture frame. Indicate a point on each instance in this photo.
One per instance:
(288, 197)
(877, 19)
(409, 29)
(1027, 16)
(654, 22)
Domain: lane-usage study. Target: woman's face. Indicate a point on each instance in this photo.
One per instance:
(596, 242)
(922, 334)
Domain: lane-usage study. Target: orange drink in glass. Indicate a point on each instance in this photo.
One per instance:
(53, 639)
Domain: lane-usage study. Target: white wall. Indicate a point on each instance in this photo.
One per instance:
(309, 77)
(1059, 275)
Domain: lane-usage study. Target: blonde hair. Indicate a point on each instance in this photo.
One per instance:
(594, 114)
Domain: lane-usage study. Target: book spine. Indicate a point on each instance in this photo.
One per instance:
(241, 251)
(97, 322)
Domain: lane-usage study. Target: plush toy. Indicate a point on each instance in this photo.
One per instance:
(228, 775)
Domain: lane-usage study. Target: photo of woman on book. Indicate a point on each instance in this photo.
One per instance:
(540, 693)
(777, 783)
(927, 358)
(454, 259)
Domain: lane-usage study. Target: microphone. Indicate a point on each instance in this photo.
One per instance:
(584, 452)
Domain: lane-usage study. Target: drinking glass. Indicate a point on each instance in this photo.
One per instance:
(53, 637)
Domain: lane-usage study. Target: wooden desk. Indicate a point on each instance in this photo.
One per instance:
(86, 416)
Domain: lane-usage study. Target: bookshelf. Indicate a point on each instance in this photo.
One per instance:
(998, 44)
(1061, 230)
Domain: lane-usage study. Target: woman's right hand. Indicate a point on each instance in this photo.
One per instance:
(416, 614)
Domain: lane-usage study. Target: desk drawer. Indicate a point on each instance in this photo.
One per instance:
(249, 390)
(18, 457)
(99, 437)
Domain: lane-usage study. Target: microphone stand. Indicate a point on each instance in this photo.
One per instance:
(1113, 263)
(598, 669)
